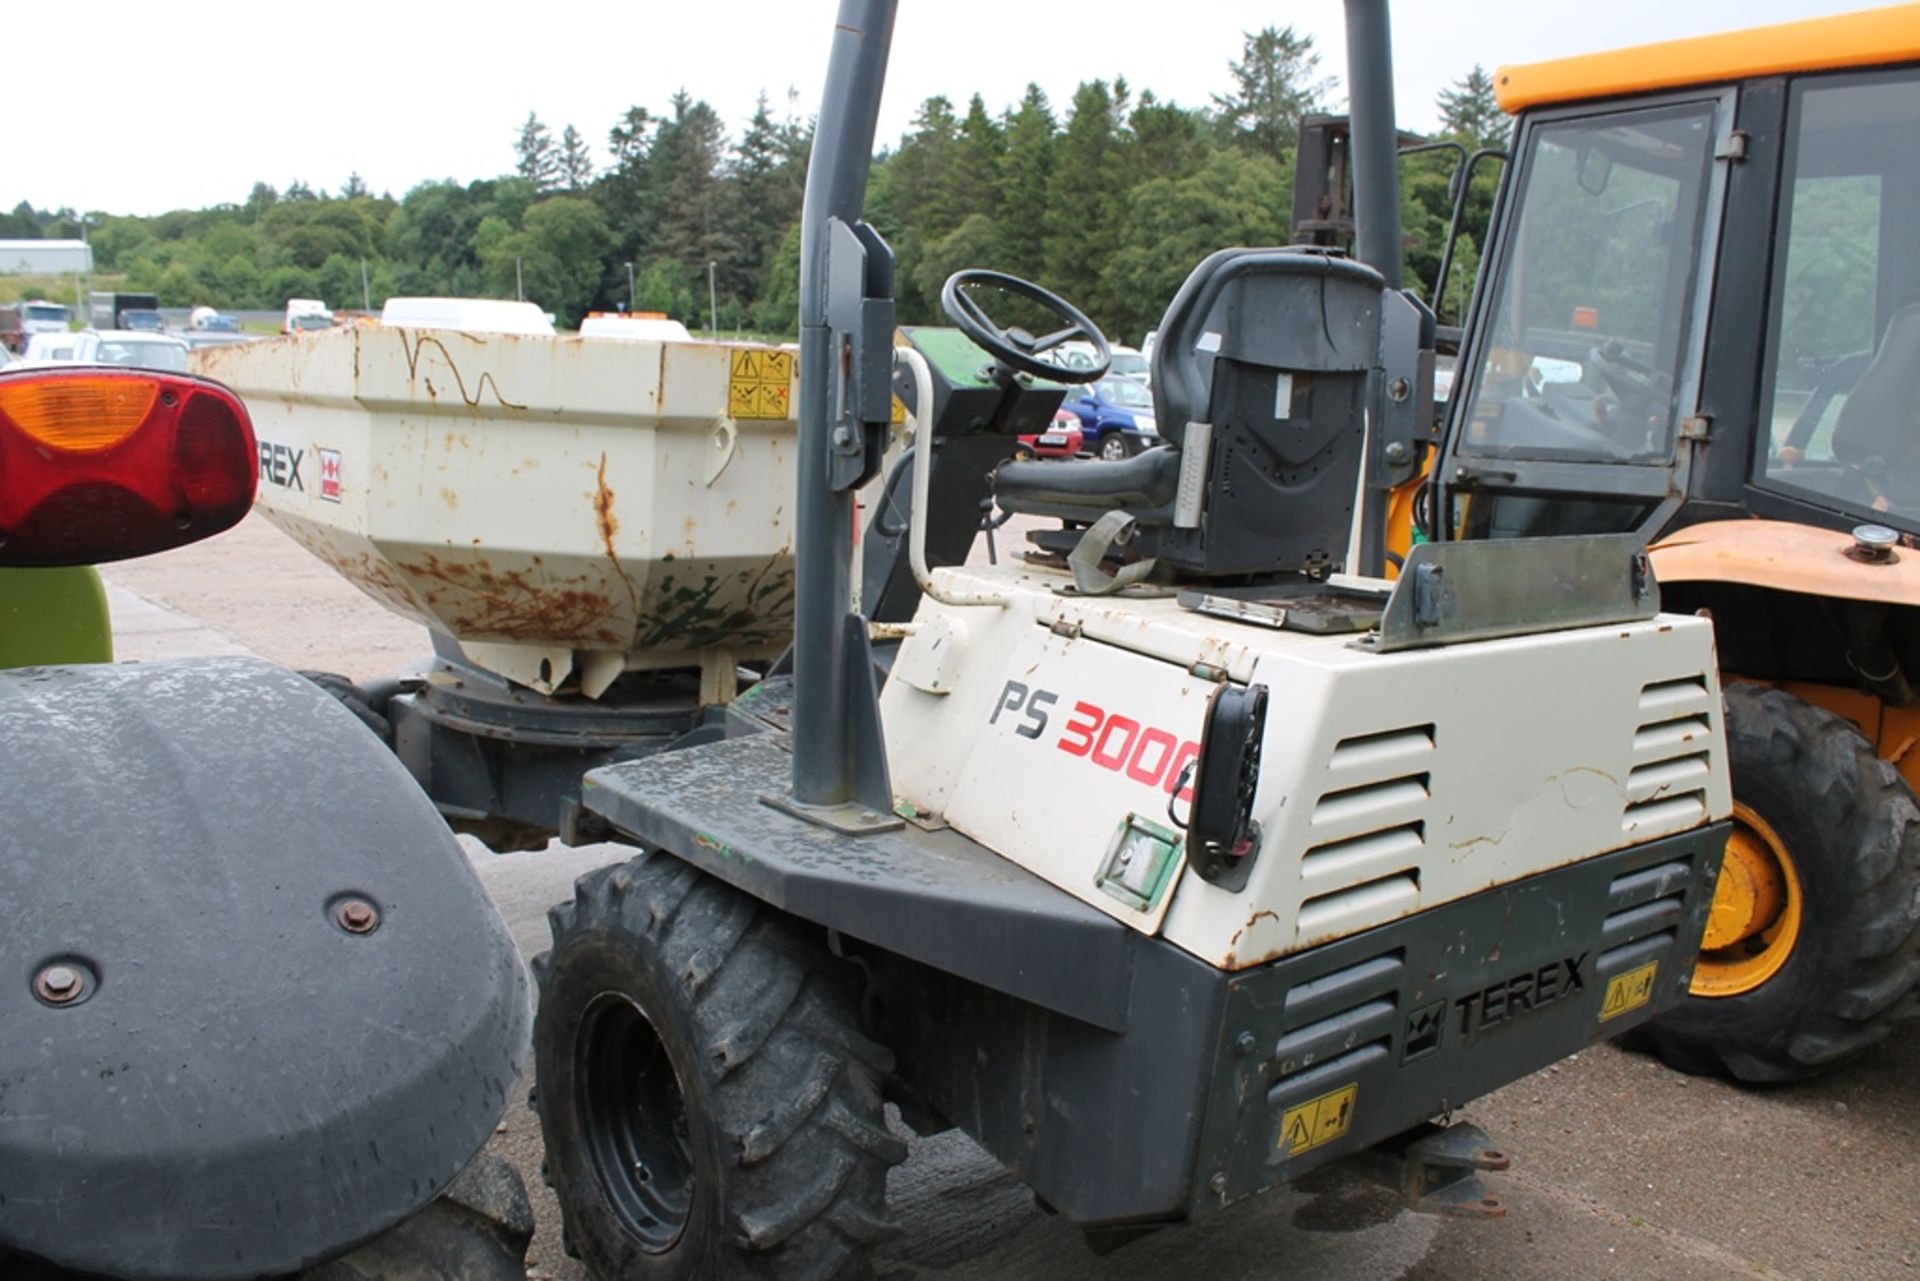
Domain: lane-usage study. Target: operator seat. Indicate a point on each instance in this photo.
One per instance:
(1875, 430)
(1259, 388)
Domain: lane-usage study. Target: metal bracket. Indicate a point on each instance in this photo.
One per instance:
(1453, 592)
(871, 807)
(1436, 1171)
(860, 329)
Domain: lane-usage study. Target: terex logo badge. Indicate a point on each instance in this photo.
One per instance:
(330, 475)
(280, 466)
(1523, 993)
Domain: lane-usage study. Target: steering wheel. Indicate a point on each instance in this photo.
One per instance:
(1015, 347)
(1642, 390)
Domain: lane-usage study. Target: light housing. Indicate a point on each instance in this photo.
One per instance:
(103, 464)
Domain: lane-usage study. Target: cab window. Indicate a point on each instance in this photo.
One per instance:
(1841, 382)
(1591, 303)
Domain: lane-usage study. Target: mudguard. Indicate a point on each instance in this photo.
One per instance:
(248, 1080)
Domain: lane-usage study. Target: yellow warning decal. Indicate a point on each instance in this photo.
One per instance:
(899, 410)
(760, 384)
(1629, 991)
(1319, 1122)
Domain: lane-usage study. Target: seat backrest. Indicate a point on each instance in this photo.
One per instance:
(1876, 429)
(1272, 348)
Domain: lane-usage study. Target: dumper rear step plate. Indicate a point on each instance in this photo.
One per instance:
(1122, 1078)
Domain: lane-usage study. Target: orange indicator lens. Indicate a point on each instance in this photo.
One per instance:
(79, 414)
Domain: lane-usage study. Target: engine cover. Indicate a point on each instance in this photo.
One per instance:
(254, 1004)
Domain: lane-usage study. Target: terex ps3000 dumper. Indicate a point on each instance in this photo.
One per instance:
(1168, 864)
(1166, 893)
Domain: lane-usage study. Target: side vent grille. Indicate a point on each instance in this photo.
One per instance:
(1369, 832)
(1336, 1022)
(1672, 759)
(1645, 910)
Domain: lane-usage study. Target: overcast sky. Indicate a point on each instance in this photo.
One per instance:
(129, 106)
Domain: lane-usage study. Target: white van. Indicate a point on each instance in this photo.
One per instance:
(468, 315)
(42, 317)
(137, 350)
(655, 328)
(304, 314)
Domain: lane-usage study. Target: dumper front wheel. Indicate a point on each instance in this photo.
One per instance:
(709, 1107)
(1814, 939)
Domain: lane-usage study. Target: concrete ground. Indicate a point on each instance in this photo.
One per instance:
(1621, 1168)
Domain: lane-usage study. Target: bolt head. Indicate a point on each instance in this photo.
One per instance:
(1244, 1043)
(59, 984)
(356, 916)
(1397, 451)
(1875, 540)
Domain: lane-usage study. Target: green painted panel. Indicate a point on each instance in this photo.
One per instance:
(53, 616)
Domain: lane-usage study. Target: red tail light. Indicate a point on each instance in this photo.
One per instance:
(104, 464)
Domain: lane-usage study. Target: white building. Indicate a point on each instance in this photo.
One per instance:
(45, 257)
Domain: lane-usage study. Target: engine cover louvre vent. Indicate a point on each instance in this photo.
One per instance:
(1672, 758)
(1369, 834)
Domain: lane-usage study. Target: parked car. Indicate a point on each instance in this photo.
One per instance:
(109, 347)
(1063, 439)
(1129, 363)
(1116, 417)
(144, 320)
(208, 320)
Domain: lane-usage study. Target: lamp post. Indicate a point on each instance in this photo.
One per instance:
(713, 311)
(633, 304)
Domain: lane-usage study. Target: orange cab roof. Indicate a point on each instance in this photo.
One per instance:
(1866, 38)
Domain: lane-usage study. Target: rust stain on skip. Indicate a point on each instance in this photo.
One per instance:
(412, 351)
(609, 526)
(603, 511)
(509, 605)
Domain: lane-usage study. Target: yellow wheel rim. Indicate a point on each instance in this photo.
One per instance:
(1755, 919)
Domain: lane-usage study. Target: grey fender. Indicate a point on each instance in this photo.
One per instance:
(242, 1085)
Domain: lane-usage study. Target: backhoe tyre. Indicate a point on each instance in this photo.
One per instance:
(710, 1109)
(355, 700)
(1827, 956)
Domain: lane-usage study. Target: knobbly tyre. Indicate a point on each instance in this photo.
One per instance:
(1169, 864)
(259, 1016)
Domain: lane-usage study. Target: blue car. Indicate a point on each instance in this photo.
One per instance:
(1116, 417)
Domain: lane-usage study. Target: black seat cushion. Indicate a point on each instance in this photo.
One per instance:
(1144, 485)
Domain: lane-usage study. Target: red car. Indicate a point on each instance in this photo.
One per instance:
(1061, 440)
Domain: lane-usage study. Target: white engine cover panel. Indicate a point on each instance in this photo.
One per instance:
(1390, 783)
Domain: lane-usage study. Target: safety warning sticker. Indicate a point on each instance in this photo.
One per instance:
(1318, 1122)
(760, 385)
(1629, 991)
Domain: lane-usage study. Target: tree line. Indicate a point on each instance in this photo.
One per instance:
(1110, 200)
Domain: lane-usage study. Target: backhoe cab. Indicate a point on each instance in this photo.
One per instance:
(1170, 863)
(1699, 324)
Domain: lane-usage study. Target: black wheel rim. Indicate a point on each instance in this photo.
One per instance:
(634, 1118)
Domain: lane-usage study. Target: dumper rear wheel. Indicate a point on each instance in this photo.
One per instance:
(1814, 941)
(709, 1107)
